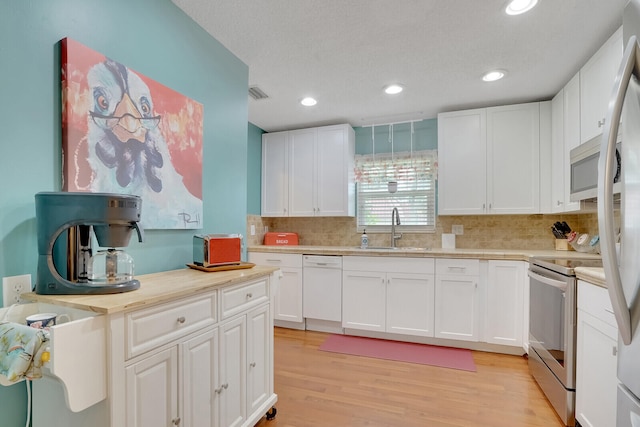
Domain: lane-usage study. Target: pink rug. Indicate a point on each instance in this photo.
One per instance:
(445, 357)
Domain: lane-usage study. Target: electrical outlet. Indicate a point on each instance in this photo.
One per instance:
(13, 287)
(253, 229)
(457, 229)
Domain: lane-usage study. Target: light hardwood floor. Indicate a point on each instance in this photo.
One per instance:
(317, 388)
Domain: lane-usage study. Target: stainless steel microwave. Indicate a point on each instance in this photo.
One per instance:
(584, 170)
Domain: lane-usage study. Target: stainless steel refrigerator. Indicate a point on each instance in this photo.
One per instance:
(622, 264)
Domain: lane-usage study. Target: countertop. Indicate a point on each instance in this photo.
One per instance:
(154, 288)
(509, 254)
(592, 275)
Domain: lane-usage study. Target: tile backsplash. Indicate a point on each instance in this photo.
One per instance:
(482, 231)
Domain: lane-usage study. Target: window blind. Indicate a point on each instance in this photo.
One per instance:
(415, 197)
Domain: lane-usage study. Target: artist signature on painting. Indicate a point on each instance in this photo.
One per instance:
(187, 219)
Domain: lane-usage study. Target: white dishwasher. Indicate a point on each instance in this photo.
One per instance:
(322, 292)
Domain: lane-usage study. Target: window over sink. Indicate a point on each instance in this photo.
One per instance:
(415, 174)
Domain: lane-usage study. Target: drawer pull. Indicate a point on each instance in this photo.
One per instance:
(457, 269)
(252, 364)
(181, 319)
(249, 295)
(176, 421)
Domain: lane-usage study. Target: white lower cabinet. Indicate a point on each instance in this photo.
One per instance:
(152, 390)
(504, 302)
(363, 300)
(457, 299)
(200, 360)
(388, 295)
(220, 378)
(200, 378)
(406, 311)
(597, 341)
(288, 295)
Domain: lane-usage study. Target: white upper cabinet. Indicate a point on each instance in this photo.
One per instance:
(309, 172)
(513, 159)
(462, 169)
(565, 135)
(489, 160)
(302, 176)
(275, 174)
(596, 86)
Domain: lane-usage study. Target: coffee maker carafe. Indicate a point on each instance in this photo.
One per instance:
(67, 223)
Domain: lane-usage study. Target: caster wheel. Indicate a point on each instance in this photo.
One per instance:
(272, 413)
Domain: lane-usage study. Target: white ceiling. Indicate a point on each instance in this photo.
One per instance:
(343, 52)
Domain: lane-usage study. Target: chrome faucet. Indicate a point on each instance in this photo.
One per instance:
(395, 220)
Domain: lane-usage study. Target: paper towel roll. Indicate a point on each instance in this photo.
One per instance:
(448, 241)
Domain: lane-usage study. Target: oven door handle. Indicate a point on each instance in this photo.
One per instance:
(562, 285)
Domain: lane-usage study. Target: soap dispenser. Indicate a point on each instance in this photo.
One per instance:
(364, 240)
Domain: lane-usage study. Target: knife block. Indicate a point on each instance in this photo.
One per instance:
(563, 245)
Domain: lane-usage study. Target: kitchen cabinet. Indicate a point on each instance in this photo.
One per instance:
(565, 125)
(457, 299)
(275, 174)
(393, 295)
(596, 86)
(485, 154)
(152, 390)
(203, 358)
(288, 293)
(504, 303)
(309, 172)
(462, 166)
(596, 364)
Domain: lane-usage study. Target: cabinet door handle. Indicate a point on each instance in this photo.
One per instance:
(252, 364)
(176, 421)
(559, 203)
(222, 387)
(601, 122)
(614, 350)
(181, 319)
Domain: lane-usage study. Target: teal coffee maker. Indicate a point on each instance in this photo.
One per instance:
(68, 224)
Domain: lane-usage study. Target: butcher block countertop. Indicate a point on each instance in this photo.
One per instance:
(509, 254)
(155, 288)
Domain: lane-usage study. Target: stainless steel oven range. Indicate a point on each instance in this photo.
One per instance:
(552, 330)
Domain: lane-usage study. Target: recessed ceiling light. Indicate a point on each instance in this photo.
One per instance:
(308, 102)
(494, 75)
(516, 7)
(393, 89)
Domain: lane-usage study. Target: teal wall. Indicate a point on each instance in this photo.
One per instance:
(425, 137)
(254, 168)
(152, 37)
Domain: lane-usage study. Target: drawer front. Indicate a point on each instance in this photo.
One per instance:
(450, 266)
(236, 299)
(388, 264)
(276, 259)
(154, 326)
(595, 300)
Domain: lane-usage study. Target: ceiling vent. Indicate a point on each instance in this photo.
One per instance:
(256, 93)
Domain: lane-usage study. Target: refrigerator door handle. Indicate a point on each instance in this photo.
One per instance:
(606, 172)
